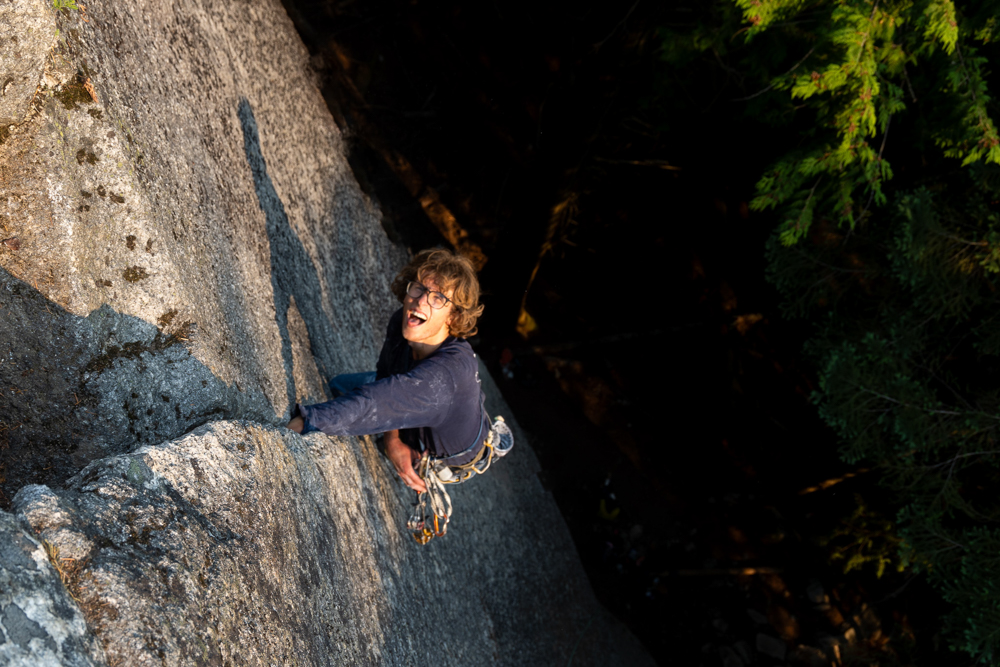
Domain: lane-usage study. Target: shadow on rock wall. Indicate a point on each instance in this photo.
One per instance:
(294, 278)
(73, 388)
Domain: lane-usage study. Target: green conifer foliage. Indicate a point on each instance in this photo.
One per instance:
(855, 75)
(908, 313)
(864, 538)
(902, 279)
(897, 267)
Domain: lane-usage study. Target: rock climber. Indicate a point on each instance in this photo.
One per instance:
(425, 393)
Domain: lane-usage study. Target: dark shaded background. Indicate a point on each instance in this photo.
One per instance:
(666, 396)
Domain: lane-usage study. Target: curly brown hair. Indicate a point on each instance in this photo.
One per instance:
(451, 272)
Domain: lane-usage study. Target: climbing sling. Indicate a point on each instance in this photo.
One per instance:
(426, 523)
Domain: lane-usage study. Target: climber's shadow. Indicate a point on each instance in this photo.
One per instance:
(292, 271)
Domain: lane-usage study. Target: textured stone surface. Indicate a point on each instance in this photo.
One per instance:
(178, 227)
(40, 626)
(183, 253)
(29, 33)
(247, 544)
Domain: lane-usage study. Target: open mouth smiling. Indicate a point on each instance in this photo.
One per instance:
(416, 318)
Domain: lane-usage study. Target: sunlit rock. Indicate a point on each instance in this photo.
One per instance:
(181, 223)
(40, 625)
(184, 253)
(241, 543)
(29, 34)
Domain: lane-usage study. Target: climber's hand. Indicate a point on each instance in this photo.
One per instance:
(403, 459)
(297, 424)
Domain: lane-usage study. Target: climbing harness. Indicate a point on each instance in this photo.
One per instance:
(436, 473)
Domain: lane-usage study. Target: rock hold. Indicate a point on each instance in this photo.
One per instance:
(40, 625)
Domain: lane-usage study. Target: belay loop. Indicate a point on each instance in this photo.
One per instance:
(436, 473)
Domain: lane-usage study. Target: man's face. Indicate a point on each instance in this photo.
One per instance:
(421, 322)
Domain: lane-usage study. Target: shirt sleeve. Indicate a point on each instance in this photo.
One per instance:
(419, 398)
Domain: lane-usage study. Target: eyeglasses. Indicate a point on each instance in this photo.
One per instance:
(435, 299)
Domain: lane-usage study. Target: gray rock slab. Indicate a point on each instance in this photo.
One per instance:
(181, 237)
(40, 625)
(243, 543)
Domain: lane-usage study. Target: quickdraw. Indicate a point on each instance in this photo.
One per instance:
(436, 474)
(440, 511)
(422, 533)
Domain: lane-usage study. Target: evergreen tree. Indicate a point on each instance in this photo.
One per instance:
(900, 275)
(854, 78)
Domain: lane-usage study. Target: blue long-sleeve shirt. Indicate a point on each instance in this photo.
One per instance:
(437, 400)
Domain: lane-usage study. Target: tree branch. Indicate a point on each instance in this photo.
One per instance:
(761, 92)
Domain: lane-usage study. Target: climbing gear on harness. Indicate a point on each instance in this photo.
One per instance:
(420, 522)
(436, 473)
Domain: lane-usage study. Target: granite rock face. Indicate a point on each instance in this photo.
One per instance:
(181, 238)
(184, 253)
(40, 625)
(245, 544)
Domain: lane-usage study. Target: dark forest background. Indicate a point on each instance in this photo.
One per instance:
(765, 408)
